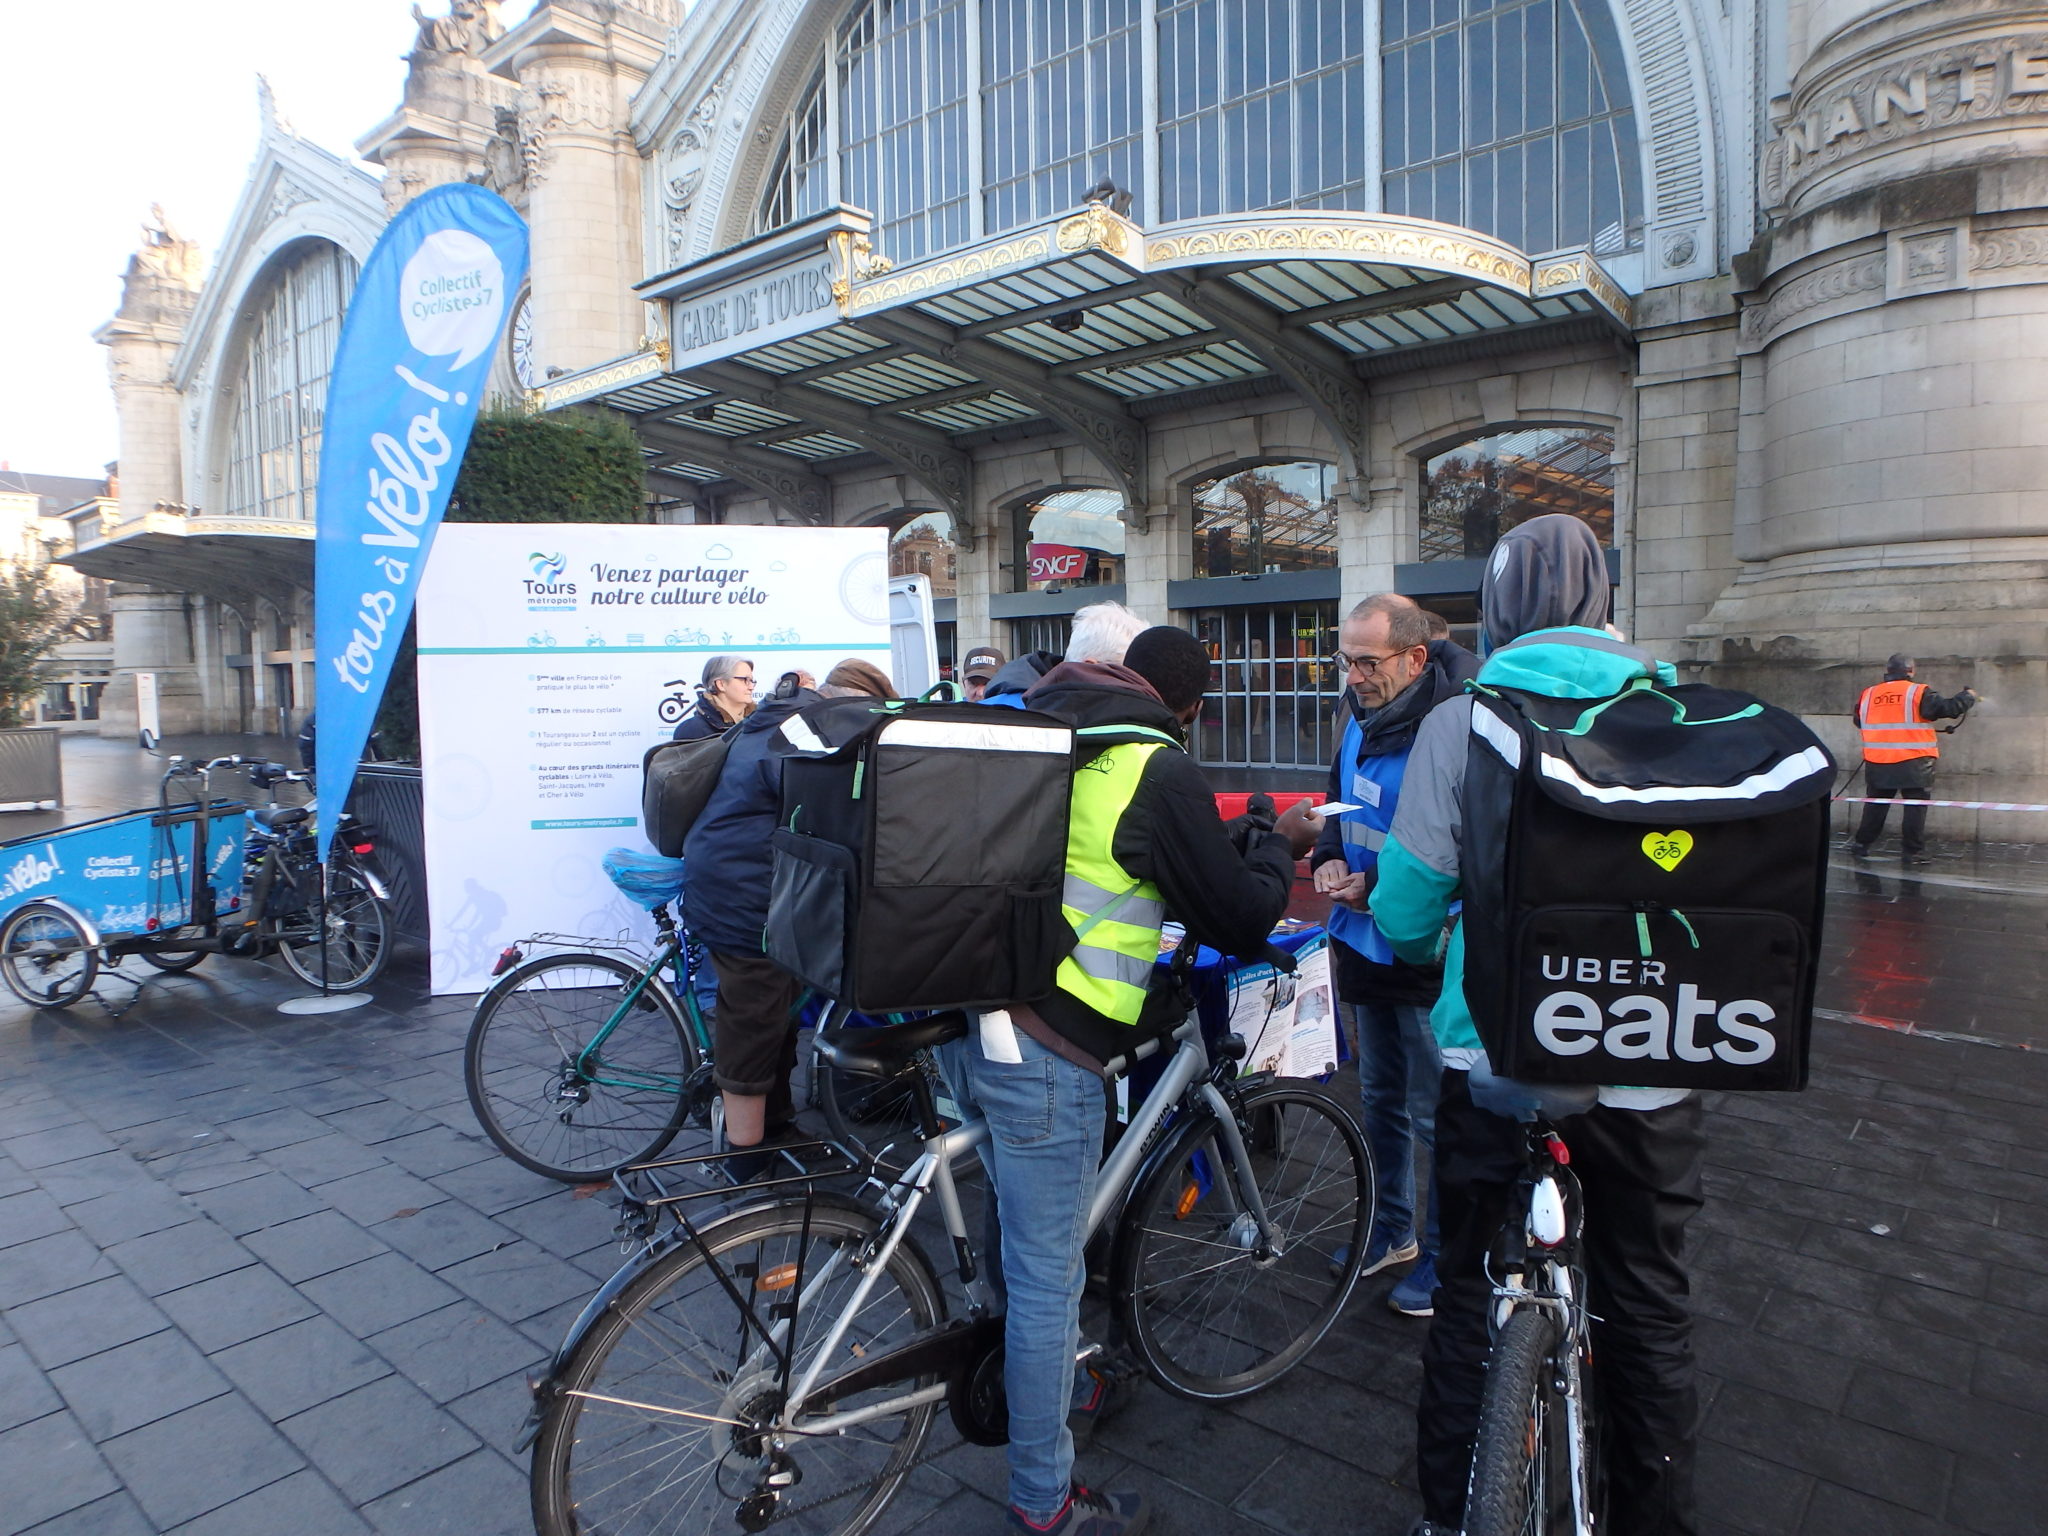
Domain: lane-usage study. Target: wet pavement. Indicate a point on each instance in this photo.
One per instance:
(261, 1273)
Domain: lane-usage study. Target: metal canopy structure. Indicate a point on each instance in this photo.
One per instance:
(238, 561)
(803, 352)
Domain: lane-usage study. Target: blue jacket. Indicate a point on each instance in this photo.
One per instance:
(727, 863)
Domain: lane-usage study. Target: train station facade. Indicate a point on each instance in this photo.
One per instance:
(1238, 310)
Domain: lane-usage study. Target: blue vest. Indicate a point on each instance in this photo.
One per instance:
(1375, 784)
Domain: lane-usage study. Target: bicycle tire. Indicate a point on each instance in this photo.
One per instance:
(355, 935)
(173, 961)
(528, 1031)
(1510, 1493)
(1212, 1330)
(45, 957)
(674, 1343)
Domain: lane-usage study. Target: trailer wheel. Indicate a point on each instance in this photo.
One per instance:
(46, 959)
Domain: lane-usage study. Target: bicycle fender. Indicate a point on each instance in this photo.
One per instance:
(85, 924)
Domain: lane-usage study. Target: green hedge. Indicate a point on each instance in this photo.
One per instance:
(571, 467)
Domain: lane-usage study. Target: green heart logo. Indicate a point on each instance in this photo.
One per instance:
(1667, 849)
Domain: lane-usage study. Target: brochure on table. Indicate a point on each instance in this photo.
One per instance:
(1288, 1023)
(552, 655)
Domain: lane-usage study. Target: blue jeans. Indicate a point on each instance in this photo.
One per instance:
(1045, 1119)
(1399, 1072)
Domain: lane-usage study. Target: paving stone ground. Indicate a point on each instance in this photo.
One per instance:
(262, 1274)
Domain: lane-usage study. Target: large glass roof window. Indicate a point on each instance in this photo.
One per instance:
(1275, 517)
(279, 378)
(1510, 118)
(1070, 539)
(953, 120)
(925, 546)
(1478, 491)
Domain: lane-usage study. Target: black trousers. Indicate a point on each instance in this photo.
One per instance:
(1913, 832)
(1641, 1174)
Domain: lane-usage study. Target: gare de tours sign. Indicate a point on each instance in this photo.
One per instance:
(755, 294)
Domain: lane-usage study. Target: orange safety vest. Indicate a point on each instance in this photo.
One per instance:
(1893, 731)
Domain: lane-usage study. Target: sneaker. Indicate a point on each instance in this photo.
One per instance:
(1088, 1513)
(1414, 1294)
(1859, 850)
(1377, 1257)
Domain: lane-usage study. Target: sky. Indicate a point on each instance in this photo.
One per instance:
(117, 104)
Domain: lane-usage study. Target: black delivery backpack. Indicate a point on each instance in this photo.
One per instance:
(921, 853)
(676, 781)
(1643, 879)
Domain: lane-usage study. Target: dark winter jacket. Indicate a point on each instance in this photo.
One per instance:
(726, 858)
(1170, 835)
(703, 720)
(1018, 678)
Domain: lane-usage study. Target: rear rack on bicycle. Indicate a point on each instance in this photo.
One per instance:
(644, 1194)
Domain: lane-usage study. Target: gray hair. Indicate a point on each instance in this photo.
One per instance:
(1407, 624)
(718, 668)
(1103, 632)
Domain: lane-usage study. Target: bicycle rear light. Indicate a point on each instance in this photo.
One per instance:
(1559, 1152)
(362, 848)
(506, 960)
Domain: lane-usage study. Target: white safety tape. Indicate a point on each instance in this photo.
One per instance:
(1958, 805)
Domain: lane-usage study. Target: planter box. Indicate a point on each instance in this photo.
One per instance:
(31, 769)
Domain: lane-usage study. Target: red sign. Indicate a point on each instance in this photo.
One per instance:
(1058, 562)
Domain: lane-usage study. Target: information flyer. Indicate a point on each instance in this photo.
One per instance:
(1288, 1023)
(553, 655)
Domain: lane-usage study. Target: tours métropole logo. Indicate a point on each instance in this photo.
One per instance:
(545, 588)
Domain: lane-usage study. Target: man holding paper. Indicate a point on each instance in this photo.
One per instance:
(1392, 681)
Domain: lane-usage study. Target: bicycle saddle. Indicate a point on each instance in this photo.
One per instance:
(646, 878)
(274, 816)
(883, 1050)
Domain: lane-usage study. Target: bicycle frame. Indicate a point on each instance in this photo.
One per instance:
(931, 1174)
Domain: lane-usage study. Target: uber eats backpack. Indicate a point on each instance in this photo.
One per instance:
(921, 853)
(676, 781)
(1643, 879)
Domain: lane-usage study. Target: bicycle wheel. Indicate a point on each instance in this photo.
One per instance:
(347, 950)
(663, 1417)
(1521, 1480)
(1212, 1316)
(45, 957)
(622, 1105)
(175, 961)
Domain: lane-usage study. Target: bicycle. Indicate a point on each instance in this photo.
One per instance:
(767, 1363)
(1535, 1459)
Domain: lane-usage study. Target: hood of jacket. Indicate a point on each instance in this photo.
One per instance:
(1571, 663)
(1547, 573)
(771, 712)
(1089, 693)
(1021, 675)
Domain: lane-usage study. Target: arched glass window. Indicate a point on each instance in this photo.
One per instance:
(925, 546)
(280, 385)
(1070, 539)
(903, 88)
(1261, 105)
(1476, 492)
(1274, 517)
(1510, 118)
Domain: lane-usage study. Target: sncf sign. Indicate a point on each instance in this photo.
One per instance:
(1057, 562)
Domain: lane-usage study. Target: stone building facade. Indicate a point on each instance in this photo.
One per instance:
(1074, 294)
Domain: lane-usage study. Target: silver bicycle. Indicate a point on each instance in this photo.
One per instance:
(781, 1363)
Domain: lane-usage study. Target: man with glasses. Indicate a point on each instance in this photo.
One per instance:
(1392, 680)
(725, 697)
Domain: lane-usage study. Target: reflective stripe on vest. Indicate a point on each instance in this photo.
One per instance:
(1115, 916)
(1889, 716)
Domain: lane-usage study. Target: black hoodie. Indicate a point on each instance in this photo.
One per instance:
(1170, 835)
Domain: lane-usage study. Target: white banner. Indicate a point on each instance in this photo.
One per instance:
(552, 655)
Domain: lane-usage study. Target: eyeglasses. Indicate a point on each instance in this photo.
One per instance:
(1366, 664)
(739, 677)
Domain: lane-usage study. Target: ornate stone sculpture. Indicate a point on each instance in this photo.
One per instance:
(689, 153)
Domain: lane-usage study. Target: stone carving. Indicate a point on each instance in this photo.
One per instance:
(1928, 258)
(504, 163)
(1994, 249)
(1680, 249)
(1842, 280)
(689, 152)
(556, 102)
(284, 197)
(1095, 227)
(469, 27)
